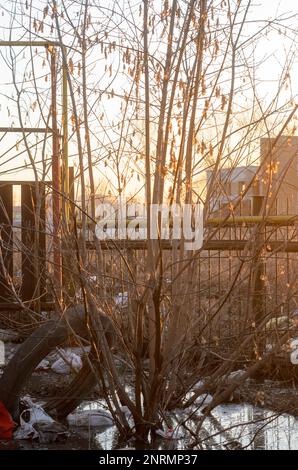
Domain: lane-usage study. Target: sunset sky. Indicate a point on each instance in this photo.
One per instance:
(269, 52)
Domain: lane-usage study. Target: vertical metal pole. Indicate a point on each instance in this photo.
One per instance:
(42, 256)
(65, 173)
(67, 281)
(66, 278)
(259, 288)
(56, 177)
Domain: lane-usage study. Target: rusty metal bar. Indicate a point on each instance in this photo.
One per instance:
(56, 178)
(21, 182)
(212, 245)
(65, 172)
(29, 43)
(282, 220)
(42, 269)
(36, 130)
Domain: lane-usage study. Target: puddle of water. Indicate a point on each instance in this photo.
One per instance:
(253, 428)
(230, 426)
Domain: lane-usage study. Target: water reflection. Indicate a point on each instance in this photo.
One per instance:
(230, 427)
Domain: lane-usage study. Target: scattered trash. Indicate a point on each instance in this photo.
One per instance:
(67, 363)
(121, 299)
(44, 315)
(235, 375)
(90, 418)
(170, 433)
(25, 431)
(6, 423)
(277, 322)
(35, 423)
(44, 365)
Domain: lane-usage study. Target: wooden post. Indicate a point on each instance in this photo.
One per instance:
(6, 218)
(32, 286)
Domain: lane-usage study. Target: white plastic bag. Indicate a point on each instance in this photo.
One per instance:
(30, 416)
(235, 375)
(25, 431)
(121, 299)
(90, 418)
(43, 365)
(67, 363)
